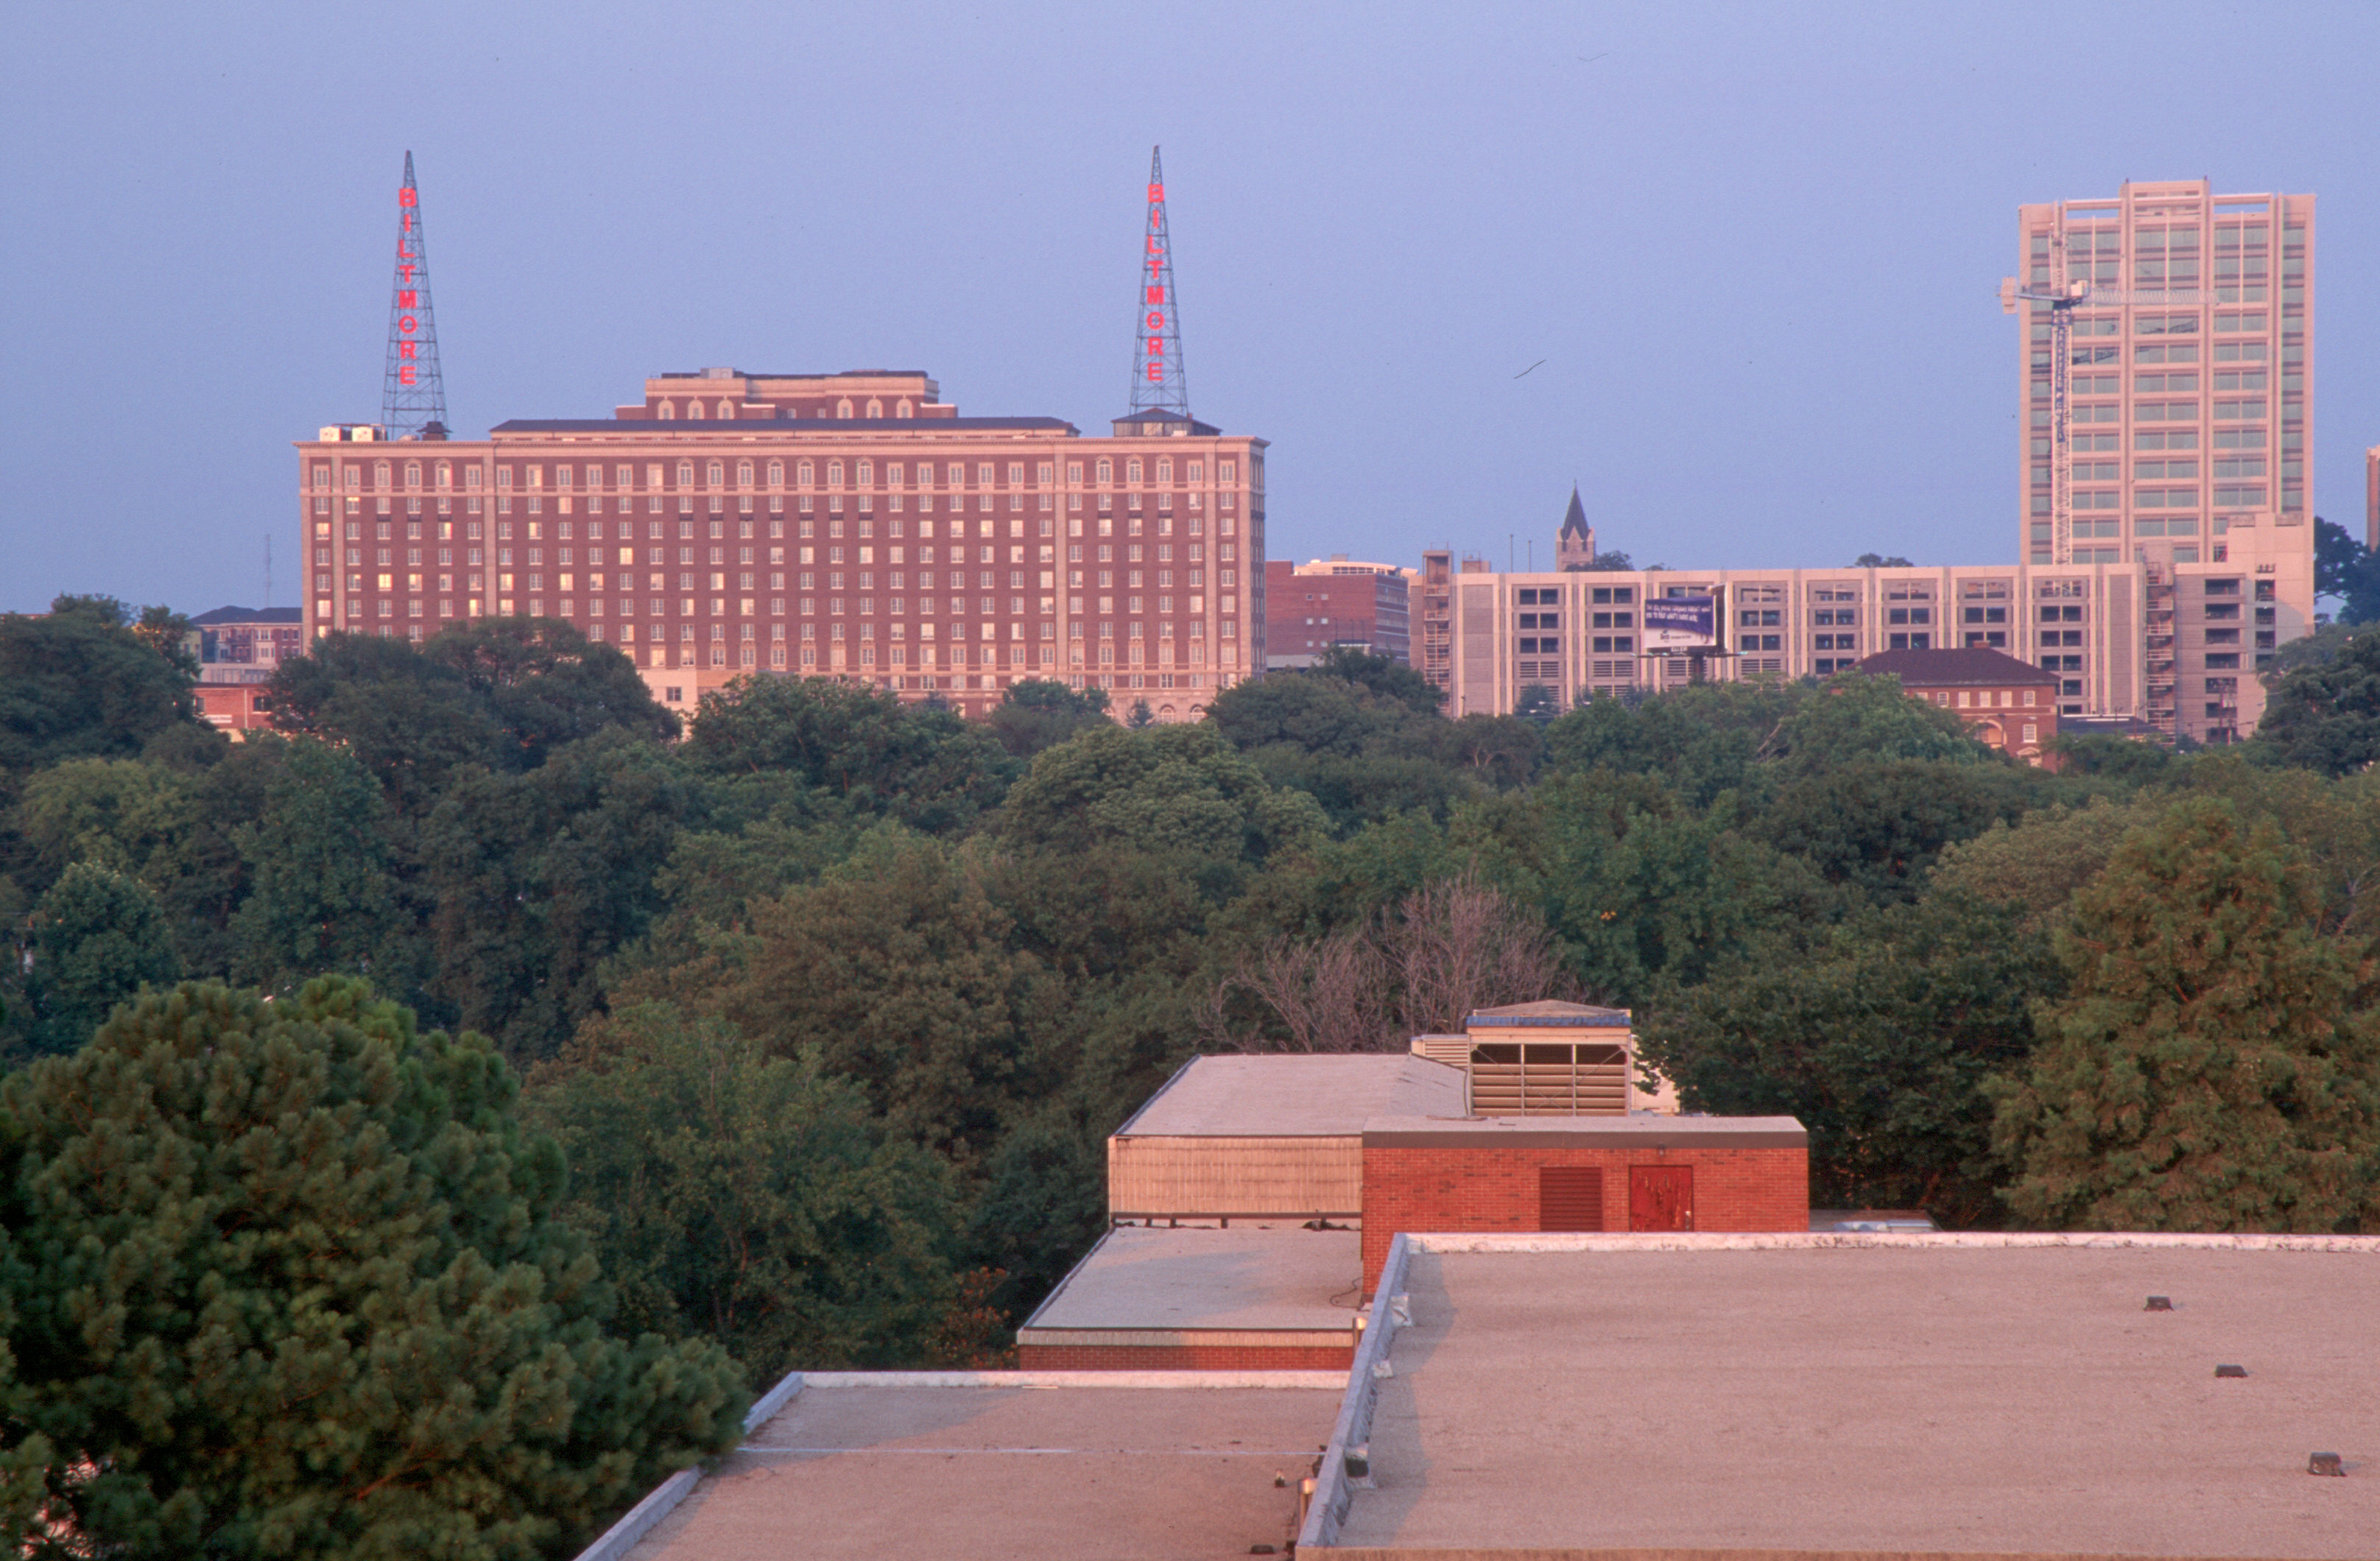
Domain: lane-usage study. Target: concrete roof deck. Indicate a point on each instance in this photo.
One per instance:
(1882, 1395)
(1002, 1472)
(1249, 1278)
(1295, 1095)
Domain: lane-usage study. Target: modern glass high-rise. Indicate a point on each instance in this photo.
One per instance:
(2190, 372)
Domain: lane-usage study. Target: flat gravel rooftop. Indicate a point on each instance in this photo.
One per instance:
(1880, 1401)
(1251, 1275)
(1000, 1474)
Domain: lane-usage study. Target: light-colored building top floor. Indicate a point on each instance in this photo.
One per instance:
(1887, 1396)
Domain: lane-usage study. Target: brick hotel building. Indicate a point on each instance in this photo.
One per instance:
(833, 524)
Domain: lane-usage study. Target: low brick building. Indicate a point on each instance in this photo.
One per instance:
(1638, 1172)
(2008, 704)
(1252, 1200)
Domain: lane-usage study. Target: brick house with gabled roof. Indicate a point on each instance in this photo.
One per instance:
(2008, 704)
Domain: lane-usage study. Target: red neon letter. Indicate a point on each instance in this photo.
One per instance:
(1156, 194)
(1156, 295)
(406, 198)
(1156, 321)
(407, 325)
(404, 349)
(1157, 371)
(404, 375)
(1156, 346)
(405, 297)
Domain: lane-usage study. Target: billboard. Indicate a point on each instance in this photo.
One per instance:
(1680, 623)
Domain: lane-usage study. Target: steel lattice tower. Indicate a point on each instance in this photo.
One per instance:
(412, 395)
(1157, 380)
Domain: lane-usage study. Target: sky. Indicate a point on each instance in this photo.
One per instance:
(1731, 269)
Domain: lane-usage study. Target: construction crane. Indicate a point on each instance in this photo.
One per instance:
(2063, 298)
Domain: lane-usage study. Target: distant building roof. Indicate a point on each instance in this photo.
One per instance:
(1299, 1095)
(289, 615)
(1972, 667)
(706, 425)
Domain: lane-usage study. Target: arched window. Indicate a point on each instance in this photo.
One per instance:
(743, 474)
(805, 474)
(1106, 469)
(875, 407)
(666, 412)
(1164, 468)
(834, 474)
(776, 474)
(716, 473)
(727, 411)
(900, 407)
(843, 408)
(694, 410)
(1132, 469)
(866, 474)
(445, 475)
(685, 474)
(380, 474)
(413, 473)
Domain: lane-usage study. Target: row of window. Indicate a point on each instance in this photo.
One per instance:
(896, 474)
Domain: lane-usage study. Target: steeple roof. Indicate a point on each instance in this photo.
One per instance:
(1575, 521)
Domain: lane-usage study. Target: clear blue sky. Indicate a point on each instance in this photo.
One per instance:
(1755, 245)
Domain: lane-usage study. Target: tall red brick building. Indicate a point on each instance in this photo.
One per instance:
(844, 525)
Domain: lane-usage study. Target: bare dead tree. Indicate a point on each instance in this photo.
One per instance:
(1459, 945)
(1419, 967)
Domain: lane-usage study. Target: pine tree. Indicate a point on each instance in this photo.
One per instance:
(2209, 1070)
(287, 1280)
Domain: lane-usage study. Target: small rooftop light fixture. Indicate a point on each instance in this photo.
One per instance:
(2159, 1303)
(2230, 1371)
(2325, 1463)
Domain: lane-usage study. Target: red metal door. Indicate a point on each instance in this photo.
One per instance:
(1661, 1197)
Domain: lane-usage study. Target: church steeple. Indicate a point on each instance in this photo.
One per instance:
(1574, 543)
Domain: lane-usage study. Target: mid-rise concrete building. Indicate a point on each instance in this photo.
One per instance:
(840, 525)
(2175, 645)
(1310, 608)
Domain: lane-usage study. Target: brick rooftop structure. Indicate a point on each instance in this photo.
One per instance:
(2008, 704)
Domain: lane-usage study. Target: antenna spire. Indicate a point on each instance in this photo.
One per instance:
(1157, 380)
(413, 395)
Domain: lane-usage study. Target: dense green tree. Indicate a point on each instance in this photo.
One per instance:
(748, 1199)
(896, 970)
(2039, 862)
(289, 1282)
(1878, 1033)
(2327, 717)
(918, 763)
(2214, 1066)
(98, 938)
(1037, 713)
(1881, 561)
(1703, 740)
(503, 693)
(534, 879)
(1876, 825)
(2348, 570)
(321, 899)
(1537, 703)
(1169, 788)
(1381, 675)
(1307, 711)
(81, 684)
(1855, 717)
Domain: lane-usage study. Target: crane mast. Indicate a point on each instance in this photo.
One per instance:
(2061, 296)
